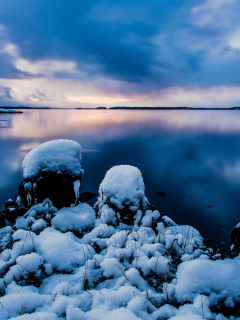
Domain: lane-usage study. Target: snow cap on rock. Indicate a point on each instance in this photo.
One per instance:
(56, 156)
(123, 185)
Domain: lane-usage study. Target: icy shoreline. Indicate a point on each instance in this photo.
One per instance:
(113, 261)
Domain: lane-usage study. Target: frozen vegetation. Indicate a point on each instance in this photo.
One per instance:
(118, 260)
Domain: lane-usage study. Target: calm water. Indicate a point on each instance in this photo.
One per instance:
(178, 152)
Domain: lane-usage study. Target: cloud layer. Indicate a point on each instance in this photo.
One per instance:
(126, 51)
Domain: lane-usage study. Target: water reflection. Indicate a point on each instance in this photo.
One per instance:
(178, 152)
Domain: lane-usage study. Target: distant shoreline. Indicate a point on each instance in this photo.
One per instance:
(120, 108)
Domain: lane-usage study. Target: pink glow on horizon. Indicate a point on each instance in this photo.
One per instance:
(50, 124)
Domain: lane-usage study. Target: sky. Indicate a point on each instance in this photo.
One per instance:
(94, 53)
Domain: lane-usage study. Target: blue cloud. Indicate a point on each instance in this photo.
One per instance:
(154, 44)
(5, 92)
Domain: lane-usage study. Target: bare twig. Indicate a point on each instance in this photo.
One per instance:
(121, 269)
(202, 307)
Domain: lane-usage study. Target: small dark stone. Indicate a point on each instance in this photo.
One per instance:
(12, 212)
(10, 203)
(87, 196)
(160, 193)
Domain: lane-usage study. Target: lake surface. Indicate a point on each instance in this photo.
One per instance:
(178, 152)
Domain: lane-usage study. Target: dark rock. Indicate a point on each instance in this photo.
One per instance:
(160, 193)
(87, 196)
(10, 203)
(57, 187)
(235, 236)
(226, 310)
(2, 221)
(11, 212)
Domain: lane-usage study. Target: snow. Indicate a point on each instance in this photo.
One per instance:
(112, 268)
(149, 217)
(77, 218)
(218, 279)
(60, 250)
(30, 262)
(192, 236)
(159, 265)
(121, 313)
(5, 237)
(56, 156)
(81, 263)
(38, 316)
(39, 225)
(74, 313)
(123, 185)
(168, 221)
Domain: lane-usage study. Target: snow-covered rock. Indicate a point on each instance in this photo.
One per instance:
(52, 170)
(122, 197)
(123, 185)
(58, 156)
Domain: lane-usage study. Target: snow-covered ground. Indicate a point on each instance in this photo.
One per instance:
(112, 262)
(2, 110)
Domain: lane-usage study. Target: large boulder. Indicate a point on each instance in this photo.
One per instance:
(52, 170)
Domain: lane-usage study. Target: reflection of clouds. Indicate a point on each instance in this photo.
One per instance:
(28, 146)
(232, 171)
(90, 150)
(50, 124)
(98, 99)
(178, 152)
(11, 166)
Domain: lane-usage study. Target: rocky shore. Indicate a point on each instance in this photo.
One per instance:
(121, 259)
(2, 110)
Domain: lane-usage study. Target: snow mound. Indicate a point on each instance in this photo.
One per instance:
(56, 156)
(61, 250)
(77, 218)
(123, 185)
(192, 235)
(218, 279)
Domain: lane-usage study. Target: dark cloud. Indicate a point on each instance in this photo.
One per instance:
(5, 92)
(9, 71)
(157, 43)
(38, 96)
